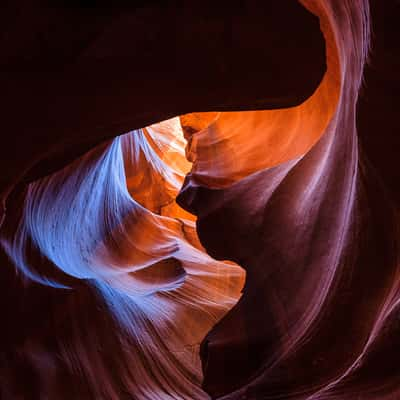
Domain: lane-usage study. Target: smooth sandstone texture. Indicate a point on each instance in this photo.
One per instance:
(239, 249)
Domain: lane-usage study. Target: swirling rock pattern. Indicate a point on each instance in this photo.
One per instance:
(246, 254)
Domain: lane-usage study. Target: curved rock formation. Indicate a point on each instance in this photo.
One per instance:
(242, 248)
